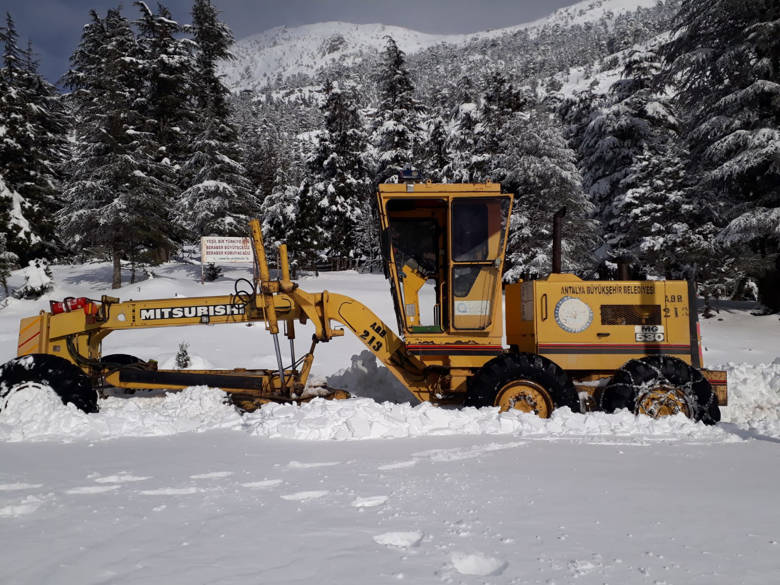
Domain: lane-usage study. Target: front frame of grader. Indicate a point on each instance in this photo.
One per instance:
(75, 336)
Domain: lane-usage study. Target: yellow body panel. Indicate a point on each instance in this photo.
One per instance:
(599, 325)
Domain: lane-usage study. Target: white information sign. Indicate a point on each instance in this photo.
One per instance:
(221, 250)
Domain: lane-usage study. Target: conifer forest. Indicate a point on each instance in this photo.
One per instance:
(142, 147)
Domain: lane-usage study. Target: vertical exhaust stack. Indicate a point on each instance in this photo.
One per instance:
(623, 264)
(556, 251)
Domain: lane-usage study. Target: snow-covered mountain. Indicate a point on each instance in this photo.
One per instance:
(281, 53)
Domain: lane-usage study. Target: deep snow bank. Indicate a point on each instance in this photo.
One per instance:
(754, 397)
(36, 414)
(365, 419)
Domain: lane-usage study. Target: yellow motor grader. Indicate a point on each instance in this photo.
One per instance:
(583, 344)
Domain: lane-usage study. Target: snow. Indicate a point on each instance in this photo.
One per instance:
(399, 539)
(17, 219)
(183, 489)
(477, 564)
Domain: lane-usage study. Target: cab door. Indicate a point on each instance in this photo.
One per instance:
(477, 238)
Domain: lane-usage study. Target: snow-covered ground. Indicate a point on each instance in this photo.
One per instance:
(183, 489)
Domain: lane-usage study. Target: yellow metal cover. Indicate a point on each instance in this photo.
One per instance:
(599, 325)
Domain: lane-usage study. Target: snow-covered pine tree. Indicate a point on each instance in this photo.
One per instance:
(577, 112)
(262, 141)
(48, 122)
(8, 260)
(219, 198)
(396, 135)
(213, 39)
(13, 159)
(499, 106)
(725, 60)
(541, 170)
(339, 178)
(435, 154)
(37, 280)
(634, 163)
(31, 148)
(462, 141)
(291, 215)
(170, 71)
(368, 239)
(113, 198)
(610, 143)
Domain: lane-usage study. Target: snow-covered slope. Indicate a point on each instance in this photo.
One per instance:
(282, 52)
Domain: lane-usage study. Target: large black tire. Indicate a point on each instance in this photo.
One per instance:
(68, 381)
(484, 386)
(632, 383)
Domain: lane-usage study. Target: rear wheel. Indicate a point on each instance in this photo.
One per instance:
(522, 381)
(661, 386)
(67, 381)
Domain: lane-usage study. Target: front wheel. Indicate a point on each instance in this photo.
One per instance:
(522, 381)
(67, 380)
(661, 386)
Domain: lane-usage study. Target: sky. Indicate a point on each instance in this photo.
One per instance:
(54, 26)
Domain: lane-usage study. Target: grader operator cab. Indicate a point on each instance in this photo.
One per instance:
(587, 345)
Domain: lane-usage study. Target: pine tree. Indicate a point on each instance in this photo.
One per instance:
(13, 160)
(31, 149)
(540, 168)
(725, 59)
(170, 67)
(498, 109)
(396, 126)
(48, 121)
(338, 173)
(636, 166)
(8, 260)
(462, 141)
(219, 198)
(435, 153)
(213, 39)
(113, 198)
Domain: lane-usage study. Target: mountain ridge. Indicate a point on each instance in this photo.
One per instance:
(279, 54)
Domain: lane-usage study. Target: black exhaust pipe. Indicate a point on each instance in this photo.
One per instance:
(556, 251)
(623, 263)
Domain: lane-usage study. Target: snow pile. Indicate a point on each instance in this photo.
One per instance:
(399, 539)
(477, 564)
(754, 397)
(37, 280)
(37, 413)
(362, 418)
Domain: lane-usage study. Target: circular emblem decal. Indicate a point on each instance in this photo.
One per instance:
(573, 315)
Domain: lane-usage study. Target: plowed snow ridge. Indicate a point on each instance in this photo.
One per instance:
(38, 415)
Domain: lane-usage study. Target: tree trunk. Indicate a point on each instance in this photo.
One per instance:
(116, 280)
